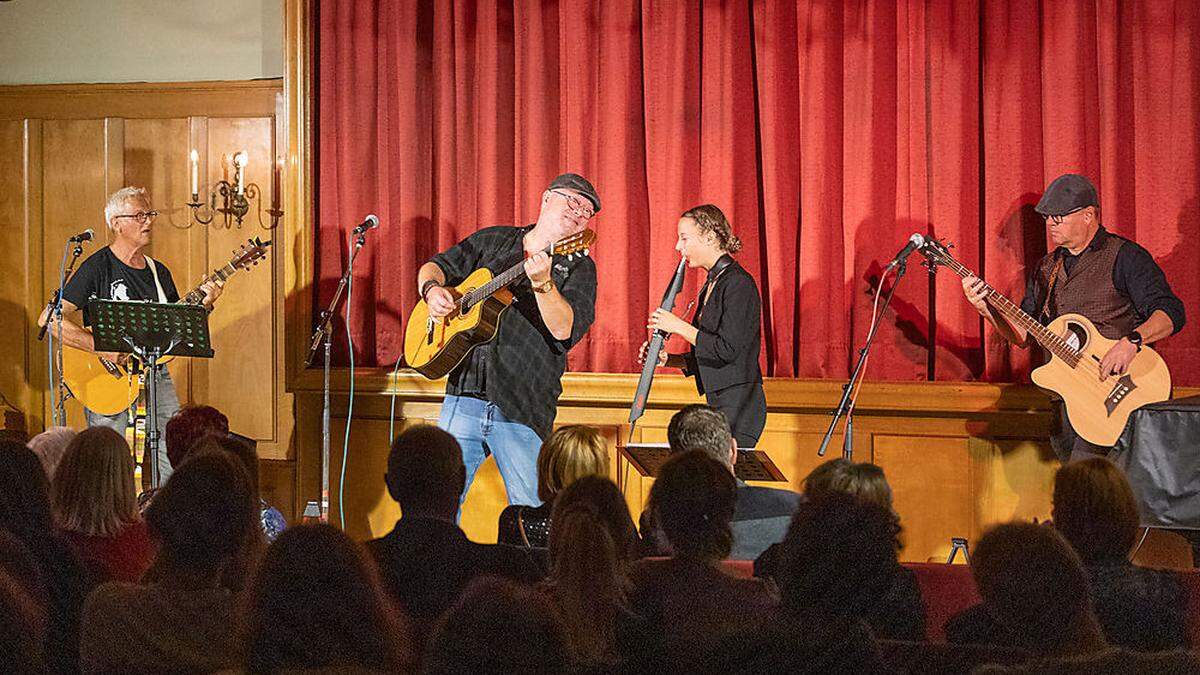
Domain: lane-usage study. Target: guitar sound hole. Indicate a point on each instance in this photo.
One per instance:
(1076, 336)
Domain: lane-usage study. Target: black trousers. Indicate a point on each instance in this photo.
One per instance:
(745, 406)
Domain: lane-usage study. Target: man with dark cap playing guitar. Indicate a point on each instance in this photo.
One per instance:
(502, 398)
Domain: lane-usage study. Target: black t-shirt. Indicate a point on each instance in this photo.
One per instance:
(105, 277)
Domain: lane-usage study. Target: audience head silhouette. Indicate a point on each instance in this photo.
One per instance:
(1034, 585)
(93, 492)
(315, 602)
(864, 480)
(693, 499)
(49, 447)
(700, 427)
(571, 452)
(188, 426)
(203, 514)
(838, 557)
(425, 472)
(499, 626)
(1095, 510)
(25, 500)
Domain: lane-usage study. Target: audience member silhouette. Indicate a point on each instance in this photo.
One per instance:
(49, 447)
(426, 560)
(571, 452)
(897, 613)
(592, 543)
(182, 619)
(499, 626)
(761, 515)
(26, 514)
(1033, 583)
(688, 597)
(95, 506)
(316, 603)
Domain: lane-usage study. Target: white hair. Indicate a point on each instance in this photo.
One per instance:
(118, 198)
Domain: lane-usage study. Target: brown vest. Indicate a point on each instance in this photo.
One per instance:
(1089, 289)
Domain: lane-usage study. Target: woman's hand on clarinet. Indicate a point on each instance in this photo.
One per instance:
(667, 322)
(662, 354)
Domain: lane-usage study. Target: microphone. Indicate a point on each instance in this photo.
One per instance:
(914, 242)
(370, 223)
(86, 235)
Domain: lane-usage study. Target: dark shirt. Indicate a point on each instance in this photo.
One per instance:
(105, 277)
(787, 645)
(1135, 275)
(1138, 608)
(522, 525)
(425, 564)
(520, 370)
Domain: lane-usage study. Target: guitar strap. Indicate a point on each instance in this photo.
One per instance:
(1050, 287)
(162, 295)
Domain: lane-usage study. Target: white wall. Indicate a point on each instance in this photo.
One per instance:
(68, 41)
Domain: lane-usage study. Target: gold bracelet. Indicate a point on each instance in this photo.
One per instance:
(544, 287)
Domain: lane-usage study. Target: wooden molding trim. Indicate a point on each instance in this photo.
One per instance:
(139, 100)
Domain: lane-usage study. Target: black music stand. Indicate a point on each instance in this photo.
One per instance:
(751, 464)
(150, 330)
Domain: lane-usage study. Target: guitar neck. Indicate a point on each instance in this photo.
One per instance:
(1049, 340)
(499, 281)
(196, 296)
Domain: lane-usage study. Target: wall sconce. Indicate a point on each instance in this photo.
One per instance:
(235, 197)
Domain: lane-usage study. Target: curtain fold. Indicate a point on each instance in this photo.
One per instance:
(827, 132)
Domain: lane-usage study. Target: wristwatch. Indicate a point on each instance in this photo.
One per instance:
(544, 287)
(429, 283)
(1135, 338)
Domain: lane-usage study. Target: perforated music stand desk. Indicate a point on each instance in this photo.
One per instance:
(751, 464)
(151, 330)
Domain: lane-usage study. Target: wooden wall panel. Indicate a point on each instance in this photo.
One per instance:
(16, 336)
(930, 479)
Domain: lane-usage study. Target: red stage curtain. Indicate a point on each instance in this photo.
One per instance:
(827, 131)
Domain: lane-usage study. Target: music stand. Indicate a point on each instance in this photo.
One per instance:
(150, 330)
(751, 464)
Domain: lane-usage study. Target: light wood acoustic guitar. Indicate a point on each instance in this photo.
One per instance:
(1097, 407)
(108, 388)
(434, 347)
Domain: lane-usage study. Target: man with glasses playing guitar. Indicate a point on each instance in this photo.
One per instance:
(502, 396)
(1109, 280)
(122, 271)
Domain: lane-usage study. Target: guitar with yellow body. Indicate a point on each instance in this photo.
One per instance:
(109, 388)
(435, 346)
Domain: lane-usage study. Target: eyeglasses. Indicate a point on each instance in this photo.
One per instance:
(579, 205)
(1058, 220)
(142, 217)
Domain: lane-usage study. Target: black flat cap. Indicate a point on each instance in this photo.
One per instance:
(573, 181)
(1069, 192)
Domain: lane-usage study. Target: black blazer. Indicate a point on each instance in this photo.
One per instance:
(727, 346)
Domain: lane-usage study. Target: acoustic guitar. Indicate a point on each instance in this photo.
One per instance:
(1097, 407)
(109, 388)
(435, 346)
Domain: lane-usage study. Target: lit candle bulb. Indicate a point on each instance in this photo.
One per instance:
(239, 163)
(195, 156)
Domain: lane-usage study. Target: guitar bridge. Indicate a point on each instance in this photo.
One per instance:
(1120, 390)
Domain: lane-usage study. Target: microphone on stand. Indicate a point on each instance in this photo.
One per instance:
(370, 223)
(86, 235)
(915, 242)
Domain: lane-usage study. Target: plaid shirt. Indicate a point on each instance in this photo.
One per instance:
(521, 369)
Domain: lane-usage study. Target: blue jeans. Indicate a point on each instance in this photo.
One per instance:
(168, 405)
(481, 429)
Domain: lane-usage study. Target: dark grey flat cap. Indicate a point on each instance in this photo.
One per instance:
(1069, 192)
(573, 181)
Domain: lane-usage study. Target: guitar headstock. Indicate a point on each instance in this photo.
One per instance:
(936, 252)
(579, 242)
(249, 253)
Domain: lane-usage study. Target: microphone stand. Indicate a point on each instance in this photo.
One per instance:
(324, 336)
(848, 388)
(54, 347)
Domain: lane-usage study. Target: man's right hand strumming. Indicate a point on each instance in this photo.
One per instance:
(440, 301)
